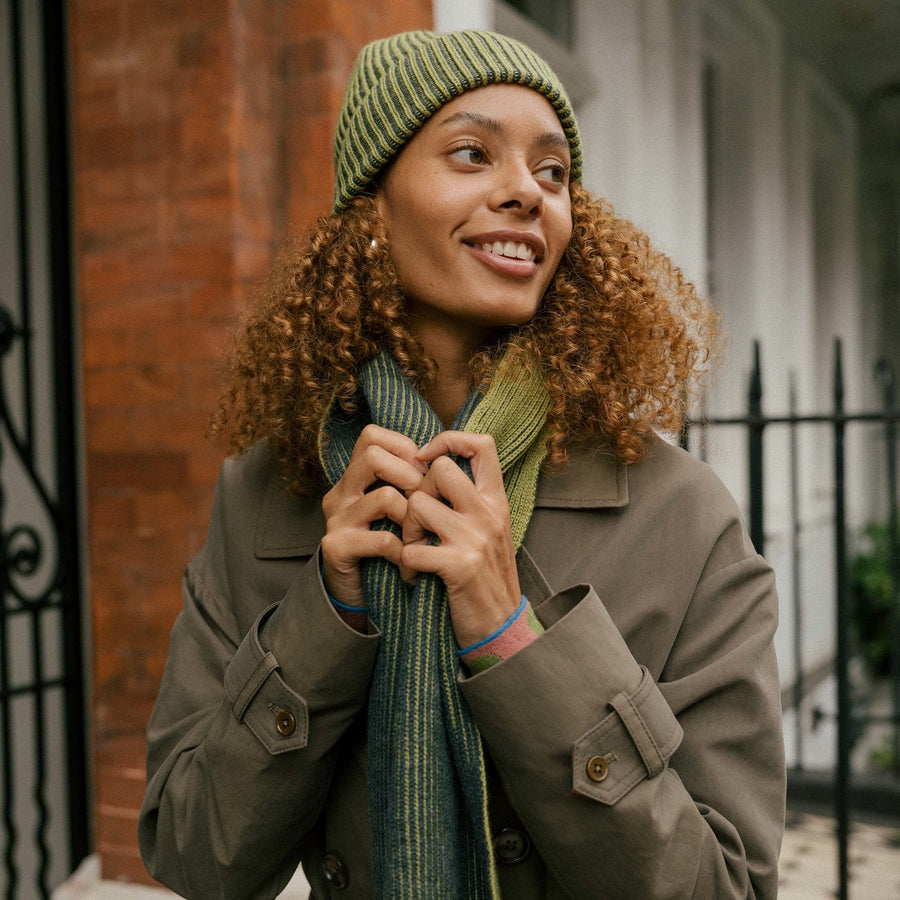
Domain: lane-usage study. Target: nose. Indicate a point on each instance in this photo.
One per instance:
(517, 189)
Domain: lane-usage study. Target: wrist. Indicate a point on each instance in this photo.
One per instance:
(477, 645)
(519, 630)
(357, 617)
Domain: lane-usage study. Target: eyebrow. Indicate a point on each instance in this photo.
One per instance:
(549, 139)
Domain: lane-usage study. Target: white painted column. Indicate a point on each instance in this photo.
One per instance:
(657, 211)
(454, 15)
(608, 38)
(642, 128)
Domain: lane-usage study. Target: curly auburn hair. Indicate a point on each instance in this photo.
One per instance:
(622, 335)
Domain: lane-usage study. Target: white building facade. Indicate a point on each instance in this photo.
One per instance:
(741, 160)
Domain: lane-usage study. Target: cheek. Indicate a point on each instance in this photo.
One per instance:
(561, 237)
(419, 242)
(563, 233)
(417, 255)
(408, 217)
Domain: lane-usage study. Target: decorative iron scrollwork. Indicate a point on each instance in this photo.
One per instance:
(23, 549)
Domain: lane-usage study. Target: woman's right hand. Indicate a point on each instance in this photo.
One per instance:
(350, 508)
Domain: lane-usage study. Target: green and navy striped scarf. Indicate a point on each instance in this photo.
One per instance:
(428, 797)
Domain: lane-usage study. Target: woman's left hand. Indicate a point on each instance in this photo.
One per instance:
(474, 556)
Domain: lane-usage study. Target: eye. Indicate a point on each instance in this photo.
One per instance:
(554, 171)
(471, 153)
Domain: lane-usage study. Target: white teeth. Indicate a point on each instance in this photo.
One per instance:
(510, 249)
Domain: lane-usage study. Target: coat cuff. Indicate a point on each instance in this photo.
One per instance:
(277, 715)
(632, 743)
(580, 683)
(299, 660)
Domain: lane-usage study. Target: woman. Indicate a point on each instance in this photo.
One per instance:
(464, 627)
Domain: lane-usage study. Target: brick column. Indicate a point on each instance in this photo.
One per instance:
(201, 139)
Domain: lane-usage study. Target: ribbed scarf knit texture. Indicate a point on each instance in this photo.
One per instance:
(428, 800)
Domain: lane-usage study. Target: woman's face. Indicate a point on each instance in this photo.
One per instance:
(477, 210)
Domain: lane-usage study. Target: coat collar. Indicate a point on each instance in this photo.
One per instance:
(592, 479)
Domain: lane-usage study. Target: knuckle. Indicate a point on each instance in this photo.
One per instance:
(384, 494)
(415, 502)
(385, 542)
(497, 528)
(486, 441)
(371, 452)
(388, 499)
(443, 465)
(480, 545)
(470, 559)
(333, 519)
(369, 433)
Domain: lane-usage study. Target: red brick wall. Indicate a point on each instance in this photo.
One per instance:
(201, 140)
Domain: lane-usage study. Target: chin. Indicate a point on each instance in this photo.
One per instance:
(509, 315)
(515, 320)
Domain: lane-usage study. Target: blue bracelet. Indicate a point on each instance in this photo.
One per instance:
(345, 606)
(499, 631)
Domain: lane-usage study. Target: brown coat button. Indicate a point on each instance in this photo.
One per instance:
(285, 722)
(597, 768)
(511, 846)
(335, 870)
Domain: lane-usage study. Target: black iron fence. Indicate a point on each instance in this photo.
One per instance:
(852, 716)
(43, 783)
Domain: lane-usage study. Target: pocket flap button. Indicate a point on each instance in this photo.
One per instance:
(285, 723)
(598, 766)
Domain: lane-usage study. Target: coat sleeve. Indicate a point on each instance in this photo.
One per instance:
(632, 786)
(243, 739)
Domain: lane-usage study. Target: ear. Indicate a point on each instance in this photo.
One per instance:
(382, 204)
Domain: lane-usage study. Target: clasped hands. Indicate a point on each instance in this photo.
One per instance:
(425, 492)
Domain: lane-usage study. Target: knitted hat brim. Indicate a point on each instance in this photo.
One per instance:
(399, 83)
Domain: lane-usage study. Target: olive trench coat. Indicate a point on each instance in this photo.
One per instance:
(635, 748)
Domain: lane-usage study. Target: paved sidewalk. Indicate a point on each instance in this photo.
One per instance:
(809, 860)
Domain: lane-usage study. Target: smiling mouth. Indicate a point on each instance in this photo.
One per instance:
(509, 249)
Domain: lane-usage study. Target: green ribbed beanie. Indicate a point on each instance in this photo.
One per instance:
(399, 82)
